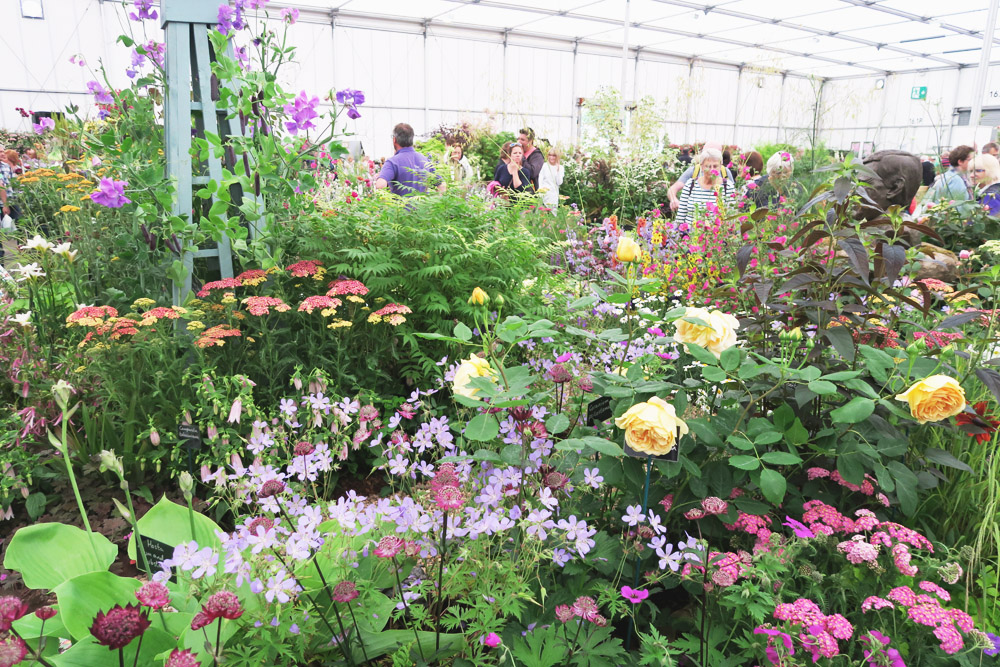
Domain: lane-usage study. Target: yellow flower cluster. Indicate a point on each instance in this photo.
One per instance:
(337, 324)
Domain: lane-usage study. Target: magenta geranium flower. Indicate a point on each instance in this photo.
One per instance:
(800, 529)
(110, 193)
(633, 595)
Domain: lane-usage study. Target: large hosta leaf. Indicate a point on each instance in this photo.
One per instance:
(82, 597)
(48, 554)
(170, 523)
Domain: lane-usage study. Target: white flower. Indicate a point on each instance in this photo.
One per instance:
(64, 250)
(37, 243)
(32, 270)
(24, 319)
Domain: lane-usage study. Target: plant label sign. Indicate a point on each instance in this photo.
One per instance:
(599, 410)
(669, 456)
(918, 93)
(190, 436)
(156, 552)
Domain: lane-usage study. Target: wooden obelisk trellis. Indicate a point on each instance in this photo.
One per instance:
(192, 112)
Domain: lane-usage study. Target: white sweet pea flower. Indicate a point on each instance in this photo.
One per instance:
(37, 243)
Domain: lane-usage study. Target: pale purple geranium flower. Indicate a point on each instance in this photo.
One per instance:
(302, 110)
(110, 193)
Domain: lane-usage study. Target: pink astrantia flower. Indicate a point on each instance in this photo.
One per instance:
(153, 594)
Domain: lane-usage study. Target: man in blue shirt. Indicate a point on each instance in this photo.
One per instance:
(407, 172)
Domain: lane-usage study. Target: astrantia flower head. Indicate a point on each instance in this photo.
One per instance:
(154, 595)
(559, 374)
(45, 613)
(271, 488)
(565, 613)
(303, 448)
(11, 609)
(260, 525)
(389, 546)
(117, 627)
(224, 604)
(449, 498)
(713, 505)
(345, 591)
(12, 651)
(179, 658)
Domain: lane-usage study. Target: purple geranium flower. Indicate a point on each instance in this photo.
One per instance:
(800, 529)
(351, 99)
(996, 644)
(772, 653)
(44, 125)
(145, 10)
(101, 96)
(110, 193)
(302, 110)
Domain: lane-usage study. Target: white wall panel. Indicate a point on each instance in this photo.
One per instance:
(466, 75)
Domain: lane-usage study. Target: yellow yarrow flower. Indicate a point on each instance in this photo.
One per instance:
(195, 325)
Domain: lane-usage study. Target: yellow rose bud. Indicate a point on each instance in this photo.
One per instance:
(479, 297)
(934, 398)
(628, 250)
(652, 427)
(718, 336)
(473, 367)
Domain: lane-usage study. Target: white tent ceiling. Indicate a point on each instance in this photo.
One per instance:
(824, 38)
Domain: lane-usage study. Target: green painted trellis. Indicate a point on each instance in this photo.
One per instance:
(192, 112)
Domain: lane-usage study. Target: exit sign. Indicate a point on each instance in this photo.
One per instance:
(918, 93)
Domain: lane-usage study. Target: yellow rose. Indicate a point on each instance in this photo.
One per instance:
(934, 398)
(717, 337)
(479, 297)
(652, 427)
(628, 250)
(473, 367)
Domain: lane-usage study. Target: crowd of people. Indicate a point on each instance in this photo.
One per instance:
(969, 179)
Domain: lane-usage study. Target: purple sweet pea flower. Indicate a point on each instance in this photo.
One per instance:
(800, 529)
(290, 15)
(351, 99)
(101, 96)
(43, 125)
(110, 193)
(302, 110)
(144, 10)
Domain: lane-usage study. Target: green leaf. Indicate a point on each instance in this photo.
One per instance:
(730, 359)
(822, 387)
(744, 462)
(772, 484)
(462, 332)
(705, 433)
(511, 455)
(39, 553)
(170, 523)
(557, 423)
(797, 433)
(943, 458)
(486, 455)
(583, 302)
(88, 653)
(767, 438)
(603, 446)
(482, 428)
(35, 505)
(856, 410)
(713, 374)
(80, 598)
(701, 354)
(781, 458)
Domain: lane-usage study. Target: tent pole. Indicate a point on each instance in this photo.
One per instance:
(984, 64)
(628, 6)
(781, 107)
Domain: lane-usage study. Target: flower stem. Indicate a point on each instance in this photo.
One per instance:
(218, 642)
(358, 631)
(37, 654)
(440, 609)
(346, 647)
(72, 481)
(406, 607)
(138, 648)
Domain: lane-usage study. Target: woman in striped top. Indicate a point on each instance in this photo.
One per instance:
(707, 187)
